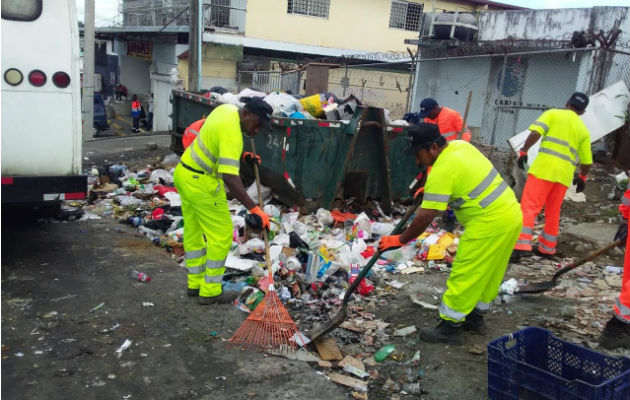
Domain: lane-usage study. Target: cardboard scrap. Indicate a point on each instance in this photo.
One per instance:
(328, 350)
(349, 360)
(354, 383)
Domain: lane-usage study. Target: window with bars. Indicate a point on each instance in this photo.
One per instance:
(405, 15)
(313, 8)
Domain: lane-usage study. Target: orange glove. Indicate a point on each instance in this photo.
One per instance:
(261, 214)
(418, 192)
(250, 158)
(389, 243)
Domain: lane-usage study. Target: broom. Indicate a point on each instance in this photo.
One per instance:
(269, 326)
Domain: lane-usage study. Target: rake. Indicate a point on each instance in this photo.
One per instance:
(269, 326)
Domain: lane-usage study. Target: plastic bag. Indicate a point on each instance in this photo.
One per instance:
(160, 176)
(255, 245)
(283, 104)
(271, 210)
(382, 229)
(231, 98)
(170, 161)
(247, 92)
(324, 217)
(288, 220)
(252, 191)
(299, 228)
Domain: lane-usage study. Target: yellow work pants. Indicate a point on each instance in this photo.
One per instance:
(478, 269)
(207, 229)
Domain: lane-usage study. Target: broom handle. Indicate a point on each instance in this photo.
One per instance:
(264, 231)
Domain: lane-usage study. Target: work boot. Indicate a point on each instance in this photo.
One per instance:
(616, 333)
(545, 255)
(223, 298)
(518, 254)
(474, 323)
(192, 292)
(448, 332)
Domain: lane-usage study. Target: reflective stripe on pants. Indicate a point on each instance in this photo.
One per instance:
(478, 269)
(539, 193)
(206, 215)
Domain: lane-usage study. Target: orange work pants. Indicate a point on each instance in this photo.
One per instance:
(539, 193)
(622, 304)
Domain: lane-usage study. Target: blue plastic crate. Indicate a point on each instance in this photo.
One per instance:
(534, 364)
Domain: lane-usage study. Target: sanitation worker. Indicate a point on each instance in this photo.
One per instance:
(464, 179)
(617, 330)
(207, 167)
(565, 144)
(191, 132)
(448, 120)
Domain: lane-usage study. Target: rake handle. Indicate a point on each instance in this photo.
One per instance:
(588, 258)
(264, 231)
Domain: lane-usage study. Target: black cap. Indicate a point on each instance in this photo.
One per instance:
(579, 101)
(426, 106)
(262, 110)
(421, 136)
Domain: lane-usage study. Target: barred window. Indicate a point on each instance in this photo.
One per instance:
(405, 15)
(313, 8)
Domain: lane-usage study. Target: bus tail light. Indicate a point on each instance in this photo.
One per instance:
(61, 79)
(37, 78)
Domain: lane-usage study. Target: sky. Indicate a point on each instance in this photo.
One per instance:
(107, 10)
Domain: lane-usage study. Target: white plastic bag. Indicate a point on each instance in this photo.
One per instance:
(283, 104)
(324, 217)
(161, 174)
(382, 229)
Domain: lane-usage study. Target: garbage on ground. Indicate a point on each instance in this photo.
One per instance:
(126, 344)
(315, 258)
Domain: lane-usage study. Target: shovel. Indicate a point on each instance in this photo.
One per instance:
(338, 319)
(539, 287)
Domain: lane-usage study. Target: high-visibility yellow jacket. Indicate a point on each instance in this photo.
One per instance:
(464, 179)
(218, 147)
(565, 143)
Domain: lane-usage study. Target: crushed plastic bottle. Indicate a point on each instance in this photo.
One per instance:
(141, 276)
(384, 352)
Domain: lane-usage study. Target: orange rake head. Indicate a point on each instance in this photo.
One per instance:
(268, 327)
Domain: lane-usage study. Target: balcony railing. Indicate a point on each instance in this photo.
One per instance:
(226, 15)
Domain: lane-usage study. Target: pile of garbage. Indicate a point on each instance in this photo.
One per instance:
(314, 257)
(318, 106)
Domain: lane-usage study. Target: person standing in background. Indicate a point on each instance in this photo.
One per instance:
(135, 113)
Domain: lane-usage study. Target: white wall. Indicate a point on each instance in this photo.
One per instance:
(134, 74)
(449, 81)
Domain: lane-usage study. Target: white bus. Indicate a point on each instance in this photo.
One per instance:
(41, 102)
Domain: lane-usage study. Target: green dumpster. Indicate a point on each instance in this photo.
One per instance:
(187, 108)
(304, 160)
(403, 166)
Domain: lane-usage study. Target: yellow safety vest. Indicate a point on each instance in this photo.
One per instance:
(565, 143)
(464, 179)
(218, 147)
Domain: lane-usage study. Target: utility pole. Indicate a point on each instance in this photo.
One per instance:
(194, 46)
(88, 71)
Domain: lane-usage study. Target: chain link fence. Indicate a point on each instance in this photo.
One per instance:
(509, 91)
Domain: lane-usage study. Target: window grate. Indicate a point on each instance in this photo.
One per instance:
(405, 15)
(312, 8)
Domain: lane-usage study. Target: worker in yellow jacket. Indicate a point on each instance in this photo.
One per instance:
(565, 144)
(209, 165)
(464, 179)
